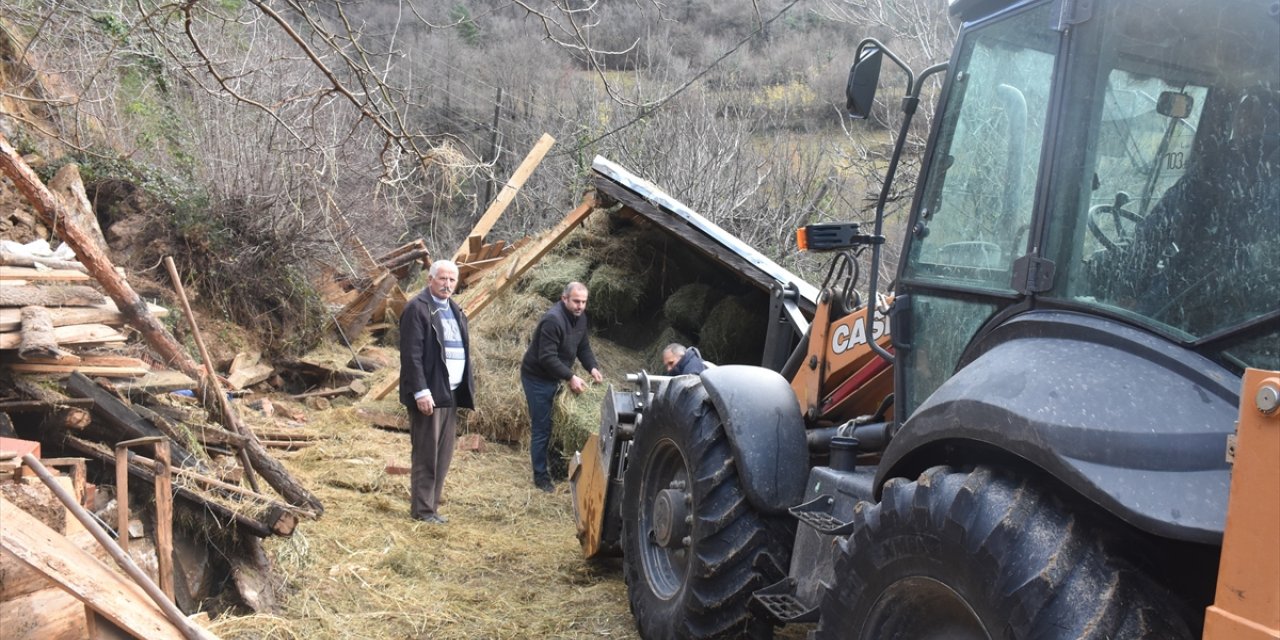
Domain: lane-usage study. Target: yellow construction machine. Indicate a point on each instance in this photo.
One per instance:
(1030, 439)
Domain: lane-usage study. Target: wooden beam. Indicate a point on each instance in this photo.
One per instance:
(31, 274)
(104, 313)
(105, 372)
(508, 192)
(118, 416)
(479, 299)
(46, 613)
(70, 334)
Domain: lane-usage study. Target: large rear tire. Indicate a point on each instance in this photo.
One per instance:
(694, 547)
(977, 555)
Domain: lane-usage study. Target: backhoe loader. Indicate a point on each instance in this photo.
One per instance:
(1034, 436)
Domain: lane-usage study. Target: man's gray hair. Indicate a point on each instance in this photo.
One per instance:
(435, 267)
(571, 287)
(675, 348)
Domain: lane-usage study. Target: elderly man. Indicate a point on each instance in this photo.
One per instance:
(562, 335)
(435, 381)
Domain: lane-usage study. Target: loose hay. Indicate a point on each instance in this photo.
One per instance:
(506, 566)
(547, 280)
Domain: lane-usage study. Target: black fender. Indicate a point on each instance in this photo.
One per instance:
(766, 432)
(1132, 422)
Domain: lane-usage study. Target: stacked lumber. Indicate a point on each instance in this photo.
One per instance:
(53, 321)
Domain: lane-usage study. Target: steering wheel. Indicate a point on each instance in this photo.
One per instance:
(1114, 216)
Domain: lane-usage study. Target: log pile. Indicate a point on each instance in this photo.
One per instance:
(52, 320)
(62, 388)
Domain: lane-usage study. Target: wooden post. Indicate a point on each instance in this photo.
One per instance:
(122, 497)
(164, 504)
(211, 377)
(164, 518)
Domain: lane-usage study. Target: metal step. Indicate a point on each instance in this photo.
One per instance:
(780, 601)
(817, 514)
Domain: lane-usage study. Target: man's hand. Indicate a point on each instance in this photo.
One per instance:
(426, 405)
(577, 385)
(597, 376)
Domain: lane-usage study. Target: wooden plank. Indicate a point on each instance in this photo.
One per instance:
(105, 313)
(83, 576)
(508, 193)
(475, 244)
(71, 334)
(45, 614)
(11, 259)
(157, 382)
(42, 406)
(31, 274)
(96, 361)
(383, 388)
(106, 372)
(17, 579)
(479, 299)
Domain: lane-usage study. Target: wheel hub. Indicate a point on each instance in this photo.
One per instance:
(671, 518)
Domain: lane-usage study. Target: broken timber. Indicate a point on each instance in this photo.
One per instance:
(507, 194)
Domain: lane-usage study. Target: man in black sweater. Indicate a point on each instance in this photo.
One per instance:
(562, 335)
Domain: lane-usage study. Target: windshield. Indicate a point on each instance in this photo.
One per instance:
(1177, 210)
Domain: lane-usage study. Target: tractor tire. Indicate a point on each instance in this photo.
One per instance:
(976, 555)
(694, 548)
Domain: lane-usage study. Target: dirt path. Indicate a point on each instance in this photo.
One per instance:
(507, 565)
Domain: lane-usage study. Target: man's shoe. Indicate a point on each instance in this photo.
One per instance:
(441, 519)
(431, 519)
(544, 486)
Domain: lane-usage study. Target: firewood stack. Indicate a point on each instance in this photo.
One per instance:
(62, 388)
(52, 320)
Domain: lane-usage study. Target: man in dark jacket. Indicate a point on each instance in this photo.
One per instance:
(681, 361)
(435, 381)
(561, 337)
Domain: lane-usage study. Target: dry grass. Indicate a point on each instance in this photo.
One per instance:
(507, 565)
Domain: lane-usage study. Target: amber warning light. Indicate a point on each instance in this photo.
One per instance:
(833, 237)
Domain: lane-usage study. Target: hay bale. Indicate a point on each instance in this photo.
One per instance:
(615, 294)
(688, 307)
(547, 280)
(733, 333)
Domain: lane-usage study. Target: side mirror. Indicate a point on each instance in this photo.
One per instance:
(864, 77)
(1174, 104)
